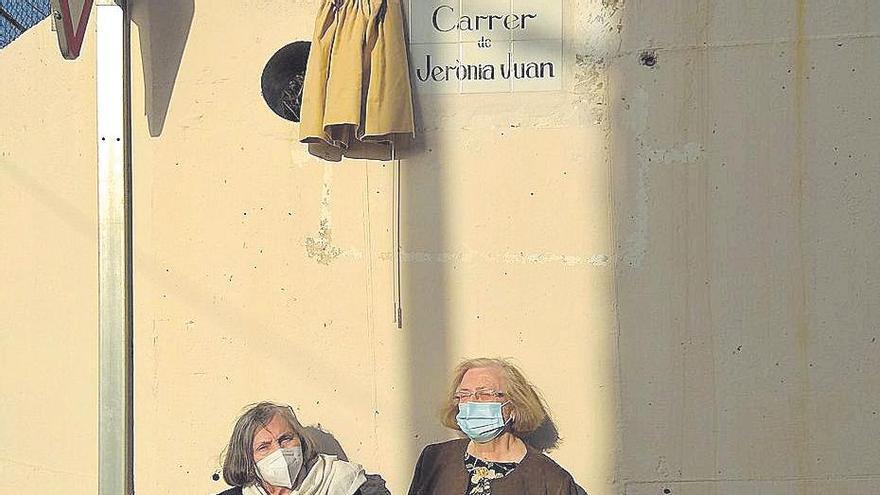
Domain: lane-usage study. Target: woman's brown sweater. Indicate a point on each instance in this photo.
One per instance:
(441, 471)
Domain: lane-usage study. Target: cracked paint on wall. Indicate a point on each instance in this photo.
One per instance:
(598, 27)
(320, 246)
(635, 247)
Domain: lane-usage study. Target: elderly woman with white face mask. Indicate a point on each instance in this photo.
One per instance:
(269, 454)
(494, 406)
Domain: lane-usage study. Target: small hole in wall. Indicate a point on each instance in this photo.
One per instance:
(648, 58)
(283, 78)
(667, 491)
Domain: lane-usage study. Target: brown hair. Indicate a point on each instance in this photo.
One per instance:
(528, 405)
(239, 467)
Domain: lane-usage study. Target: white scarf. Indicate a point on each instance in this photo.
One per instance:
(328, 476)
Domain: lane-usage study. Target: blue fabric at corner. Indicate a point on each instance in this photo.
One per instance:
(17, 16)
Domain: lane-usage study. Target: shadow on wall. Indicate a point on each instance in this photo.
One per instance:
(163, 28)
(426, 299)
(424, 286)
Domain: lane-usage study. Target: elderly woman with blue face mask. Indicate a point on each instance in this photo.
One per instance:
(493, 405)
(269, 454)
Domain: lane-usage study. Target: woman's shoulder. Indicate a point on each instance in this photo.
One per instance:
(235, 490)
(542, 462)
(457, 445)
(334, 458)
(338, 463)
(332, 463)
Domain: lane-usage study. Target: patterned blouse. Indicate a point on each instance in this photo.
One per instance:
(481, 472)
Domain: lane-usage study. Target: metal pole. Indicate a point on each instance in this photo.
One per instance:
(395, 234)
(115, 426)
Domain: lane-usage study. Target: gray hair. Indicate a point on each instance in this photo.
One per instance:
(239, 467)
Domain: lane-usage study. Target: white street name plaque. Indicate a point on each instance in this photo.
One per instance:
(485, 46)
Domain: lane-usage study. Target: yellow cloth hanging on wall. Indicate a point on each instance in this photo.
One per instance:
(357, 94)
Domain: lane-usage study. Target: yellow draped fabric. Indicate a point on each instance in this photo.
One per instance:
(357, 94)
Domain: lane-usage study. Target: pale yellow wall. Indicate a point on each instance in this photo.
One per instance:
(620, 239)
(48, 267)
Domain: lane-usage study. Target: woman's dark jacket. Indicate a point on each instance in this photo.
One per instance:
(441, 471)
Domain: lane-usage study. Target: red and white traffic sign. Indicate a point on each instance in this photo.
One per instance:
(71, 19)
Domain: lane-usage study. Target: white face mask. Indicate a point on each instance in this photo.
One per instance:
(281, 467)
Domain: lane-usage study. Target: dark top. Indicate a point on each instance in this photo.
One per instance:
(441, 471)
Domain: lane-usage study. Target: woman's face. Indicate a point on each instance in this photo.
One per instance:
(275, 435)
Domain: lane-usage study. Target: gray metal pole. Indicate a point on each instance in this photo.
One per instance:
(115, 426)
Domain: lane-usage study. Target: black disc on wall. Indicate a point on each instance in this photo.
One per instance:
(283, 78)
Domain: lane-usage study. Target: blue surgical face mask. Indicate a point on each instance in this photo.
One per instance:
(481, 421)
